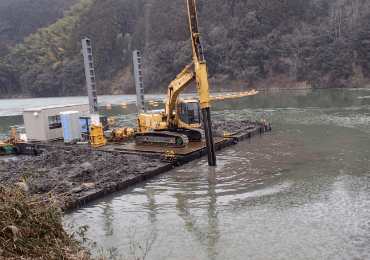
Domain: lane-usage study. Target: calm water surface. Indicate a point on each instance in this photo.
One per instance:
(298, 192)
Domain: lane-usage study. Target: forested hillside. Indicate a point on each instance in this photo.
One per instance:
(265, 44)
(20, 18)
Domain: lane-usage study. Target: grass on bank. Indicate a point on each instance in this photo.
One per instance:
(31, 228)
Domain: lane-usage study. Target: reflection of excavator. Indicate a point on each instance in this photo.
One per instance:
(180, 121)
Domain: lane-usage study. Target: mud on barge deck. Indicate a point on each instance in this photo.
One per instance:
(77, 175)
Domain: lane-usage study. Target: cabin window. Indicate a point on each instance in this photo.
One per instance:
(54, 122)
(193, 113)
(183, 109)
(189, 113)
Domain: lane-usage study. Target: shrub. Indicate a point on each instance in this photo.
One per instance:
(31, 227)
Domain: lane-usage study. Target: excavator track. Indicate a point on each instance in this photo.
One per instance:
(161, 138)
(193, 134)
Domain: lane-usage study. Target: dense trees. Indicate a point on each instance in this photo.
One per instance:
(8, 82)
(258, 43)
(19, 18)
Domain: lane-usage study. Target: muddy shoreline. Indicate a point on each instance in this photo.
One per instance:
(76, 176)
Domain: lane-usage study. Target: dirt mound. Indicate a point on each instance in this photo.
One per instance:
(219, 127)
(75, 171)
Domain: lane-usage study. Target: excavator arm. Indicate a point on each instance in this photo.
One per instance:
(200, 69)
(181, 81)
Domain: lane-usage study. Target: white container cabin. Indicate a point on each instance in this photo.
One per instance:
(44, 123)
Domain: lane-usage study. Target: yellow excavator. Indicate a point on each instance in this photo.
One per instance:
(180, 122)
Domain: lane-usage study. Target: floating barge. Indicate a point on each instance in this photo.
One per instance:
(49, 137)
(180, 156)
(105, 180)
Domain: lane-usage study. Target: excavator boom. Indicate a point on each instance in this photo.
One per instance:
(181, 81)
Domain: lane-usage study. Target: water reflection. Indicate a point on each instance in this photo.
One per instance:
(152, 206)
(205, 233)
(107, 219)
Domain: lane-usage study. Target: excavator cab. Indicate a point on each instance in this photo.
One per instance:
(189, 112)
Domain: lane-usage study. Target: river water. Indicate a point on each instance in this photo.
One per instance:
(300, 191)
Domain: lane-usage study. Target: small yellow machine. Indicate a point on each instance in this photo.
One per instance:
(6, 147)
(97, 135)
(120, 134)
